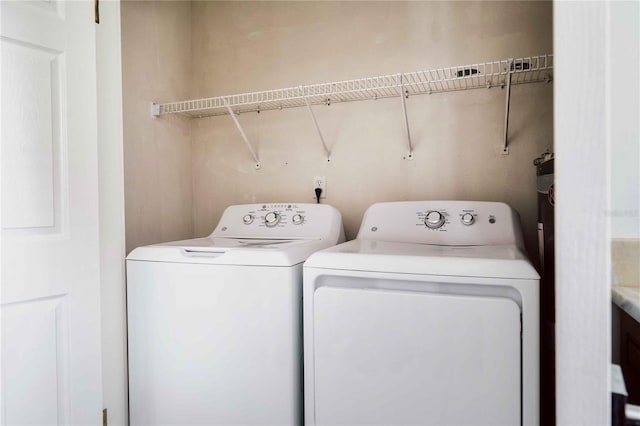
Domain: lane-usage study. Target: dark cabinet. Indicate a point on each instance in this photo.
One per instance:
(628, 352)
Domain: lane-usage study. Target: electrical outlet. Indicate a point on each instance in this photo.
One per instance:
(320, 182)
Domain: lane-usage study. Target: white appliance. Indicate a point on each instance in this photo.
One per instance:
(429, 317)
(215, 323)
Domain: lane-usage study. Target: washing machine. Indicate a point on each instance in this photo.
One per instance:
(215, 323)
(429, 317)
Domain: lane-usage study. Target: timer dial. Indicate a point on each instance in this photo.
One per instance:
(434, 219)
(271, 219)
(467, 219)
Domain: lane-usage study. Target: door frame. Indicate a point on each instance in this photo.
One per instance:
(582, 135)
(111, 209)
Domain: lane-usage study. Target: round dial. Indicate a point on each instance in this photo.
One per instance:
(297, 219)
(467, 219)
(434, 219)
(271, 219)
(247, 219)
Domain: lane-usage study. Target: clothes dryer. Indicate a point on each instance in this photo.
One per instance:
(215, 323)
(429, 317)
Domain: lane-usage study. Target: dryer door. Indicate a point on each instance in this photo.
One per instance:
(401, 357)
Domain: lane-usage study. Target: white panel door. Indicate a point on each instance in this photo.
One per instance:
(50, 310)
(384, 357)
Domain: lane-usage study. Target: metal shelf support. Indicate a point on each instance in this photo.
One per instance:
(244, 136)
(505, 144)
(315, 121)
(404, 96)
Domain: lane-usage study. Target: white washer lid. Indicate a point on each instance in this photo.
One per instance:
(232, 251)
(495, 261)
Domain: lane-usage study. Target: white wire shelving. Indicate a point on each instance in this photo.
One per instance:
(501, 73)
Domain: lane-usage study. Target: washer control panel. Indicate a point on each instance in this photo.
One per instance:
(436, 219)
(275, 215)
(442, 223)
(286, 220)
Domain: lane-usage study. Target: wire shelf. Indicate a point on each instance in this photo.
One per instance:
(531, 69)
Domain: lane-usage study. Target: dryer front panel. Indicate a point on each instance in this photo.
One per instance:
(443, 356)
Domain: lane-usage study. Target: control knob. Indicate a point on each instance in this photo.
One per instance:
(271, 219)
(247, 219)
(467, 219)
(297, 219)
(434, 219)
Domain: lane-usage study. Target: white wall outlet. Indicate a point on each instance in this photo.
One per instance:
(320, 182)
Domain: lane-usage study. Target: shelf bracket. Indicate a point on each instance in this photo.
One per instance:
(505, 144)
(315, 121)
(406, 117)
(244, 137)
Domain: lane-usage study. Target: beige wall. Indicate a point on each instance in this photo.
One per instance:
(624, 261)
(248, 46)
(156, 63)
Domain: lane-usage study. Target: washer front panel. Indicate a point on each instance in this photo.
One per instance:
(208, 341)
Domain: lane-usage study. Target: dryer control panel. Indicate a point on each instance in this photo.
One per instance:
(442, 223)
(279, 220)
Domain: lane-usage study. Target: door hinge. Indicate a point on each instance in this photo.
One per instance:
(104, 417)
